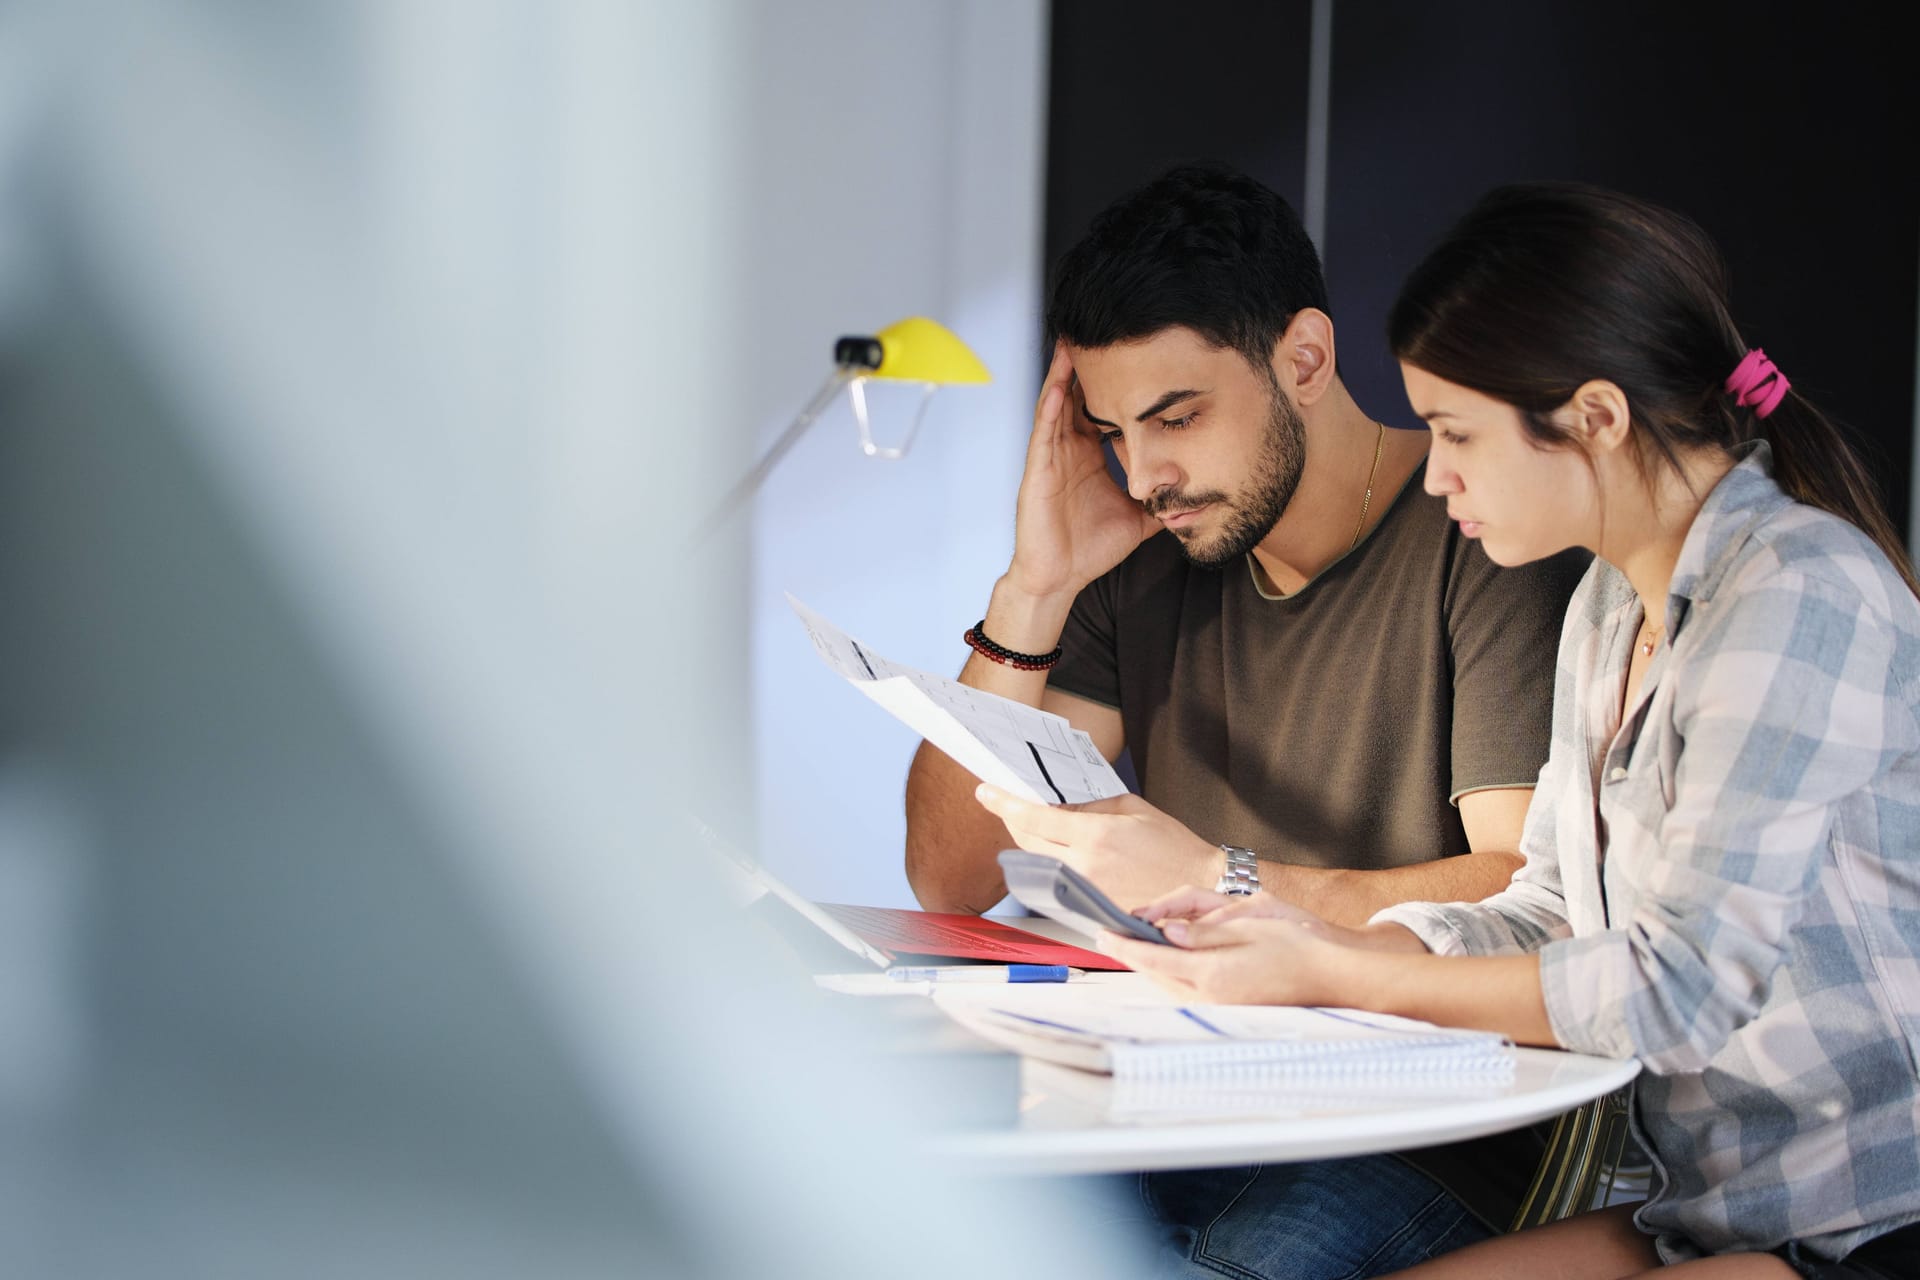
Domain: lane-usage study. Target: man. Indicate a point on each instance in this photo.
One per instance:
(1308, 663)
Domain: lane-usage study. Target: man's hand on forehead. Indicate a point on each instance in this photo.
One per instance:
(1071, 523)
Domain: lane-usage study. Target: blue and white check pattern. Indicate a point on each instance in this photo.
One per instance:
(1725, 883)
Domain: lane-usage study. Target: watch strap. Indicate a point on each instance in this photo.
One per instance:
(1242, 875)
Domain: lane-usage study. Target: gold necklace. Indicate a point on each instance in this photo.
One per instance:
(1366, 503)
(1650, 634)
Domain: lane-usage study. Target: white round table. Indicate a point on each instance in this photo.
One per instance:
(1066, 1123)
(1065, 1127)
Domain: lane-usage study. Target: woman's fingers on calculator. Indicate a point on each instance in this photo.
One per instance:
(1189, 902)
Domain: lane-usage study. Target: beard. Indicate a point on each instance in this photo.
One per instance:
(1251, 513)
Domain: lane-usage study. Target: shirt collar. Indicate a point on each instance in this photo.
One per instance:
(1743, 498)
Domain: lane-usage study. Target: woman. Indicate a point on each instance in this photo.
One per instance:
(1722, 870)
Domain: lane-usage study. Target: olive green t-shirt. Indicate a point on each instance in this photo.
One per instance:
(1336, 726)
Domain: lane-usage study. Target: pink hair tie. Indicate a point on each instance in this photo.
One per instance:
(1758, 381)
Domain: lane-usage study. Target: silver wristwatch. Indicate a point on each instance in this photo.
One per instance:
(1242, 875)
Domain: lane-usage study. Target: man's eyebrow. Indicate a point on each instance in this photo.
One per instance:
(1153, 410)
(1167, 402)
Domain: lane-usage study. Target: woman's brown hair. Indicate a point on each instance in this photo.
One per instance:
(1544, 286)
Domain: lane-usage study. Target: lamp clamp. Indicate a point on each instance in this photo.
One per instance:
(858, 353)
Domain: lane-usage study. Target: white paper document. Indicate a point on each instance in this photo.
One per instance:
(1032, 753)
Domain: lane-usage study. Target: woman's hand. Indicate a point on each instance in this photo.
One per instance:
(1256, 949)
(1191, 903)
(1252, 949)
(1130, 850)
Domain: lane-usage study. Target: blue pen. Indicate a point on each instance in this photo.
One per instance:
(984, 973)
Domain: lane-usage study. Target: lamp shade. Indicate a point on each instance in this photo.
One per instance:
(921, 350)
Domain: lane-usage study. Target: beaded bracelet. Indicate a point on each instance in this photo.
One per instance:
(976, 638)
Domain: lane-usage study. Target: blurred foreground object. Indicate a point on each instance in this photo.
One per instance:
(344, 672)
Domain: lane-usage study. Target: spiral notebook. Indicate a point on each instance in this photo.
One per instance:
(1244, 1045)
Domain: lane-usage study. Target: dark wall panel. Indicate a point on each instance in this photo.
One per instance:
(1789, 132)
(1138, 86)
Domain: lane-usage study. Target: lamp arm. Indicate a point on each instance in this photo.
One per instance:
(750, 483)
(857, 393)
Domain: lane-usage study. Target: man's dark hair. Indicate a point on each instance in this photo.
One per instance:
(1204, 247)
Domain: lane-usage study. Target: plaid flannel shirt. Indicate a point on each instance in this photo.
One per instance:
(1725, 882)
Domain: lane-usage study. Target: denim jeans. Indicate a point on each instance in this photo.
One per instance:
(1324, 1220)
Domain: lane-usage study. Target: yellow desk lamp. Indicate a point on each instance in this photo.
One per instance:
(914, 350)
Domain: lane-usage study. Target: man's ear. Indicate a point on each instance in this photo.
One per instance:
(1303, 358)
(1597, 413)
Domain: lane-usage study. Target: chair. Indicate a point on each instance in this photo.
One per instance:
(1582, 1161)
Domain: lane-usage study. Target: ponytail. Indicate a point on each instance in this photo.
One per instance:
(1814, 462)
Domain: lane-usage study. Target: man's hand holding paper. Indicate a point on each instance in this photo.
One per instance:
(1123, 844)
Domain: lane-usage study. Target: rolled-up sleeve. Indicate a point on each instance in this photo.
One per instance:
(1519, 919)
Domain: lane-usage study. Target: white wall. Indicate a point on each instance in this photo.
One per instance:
(929, 204)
